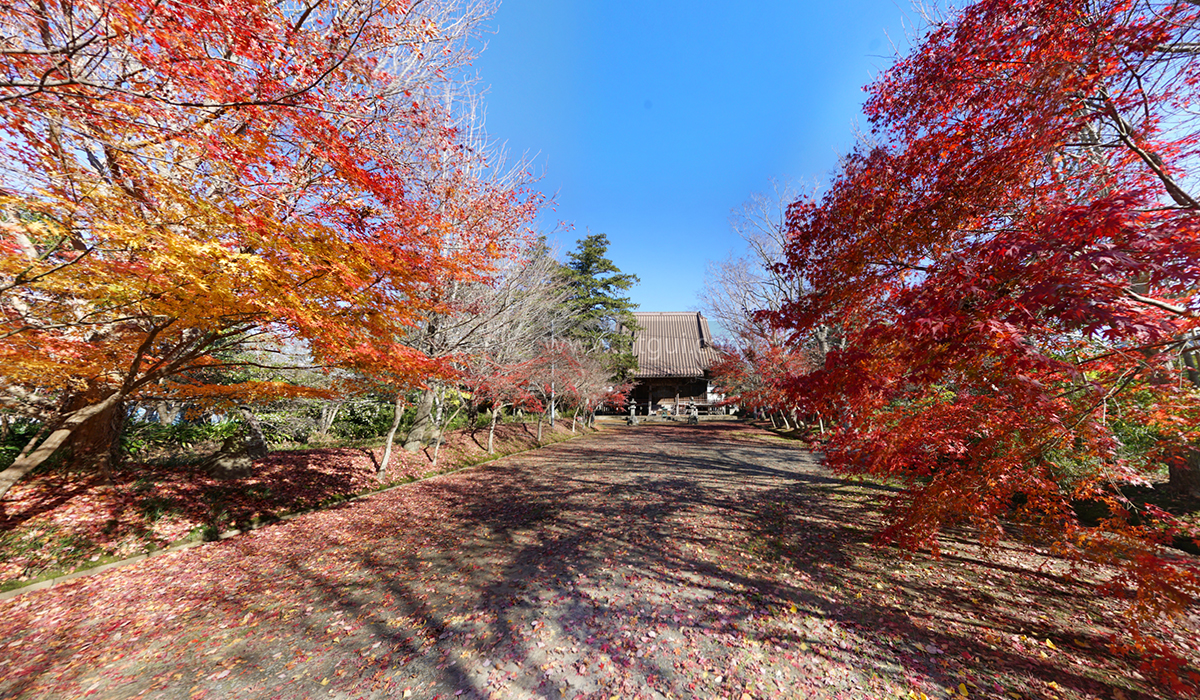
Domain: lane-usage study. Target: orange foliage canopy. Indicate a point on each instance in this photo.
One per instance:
(1013, 262)
(177, 177)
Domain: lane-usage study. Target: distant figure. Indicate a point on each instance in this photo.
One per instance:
(693, 415)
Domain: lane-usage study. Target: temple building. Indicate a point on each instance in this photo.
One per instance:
(674, 351)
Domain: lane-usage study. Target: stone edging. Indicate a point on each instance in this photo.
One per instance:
(58, 580)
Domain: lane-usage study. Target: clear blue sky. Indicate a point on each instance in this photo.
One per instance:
(651, 120)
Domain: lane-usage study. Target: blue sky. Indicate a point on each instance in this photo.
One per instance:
(650, 121)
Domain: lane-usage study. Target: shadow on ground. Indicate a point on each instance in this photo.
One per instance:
(712, 560)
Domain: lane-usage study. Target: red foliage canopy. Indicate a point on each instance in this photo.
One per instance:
(1013, 260)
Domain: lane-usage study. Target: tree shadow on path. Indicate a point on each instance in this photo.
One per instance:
(709, 560)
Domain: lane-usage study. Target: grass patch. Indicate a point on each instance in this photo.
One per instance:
(44, 552)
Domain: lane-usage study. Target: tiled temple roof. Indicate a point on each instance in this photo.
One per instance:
(673, 344)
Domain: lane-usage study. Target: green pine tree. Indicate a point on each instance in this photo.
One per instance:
(601, 315)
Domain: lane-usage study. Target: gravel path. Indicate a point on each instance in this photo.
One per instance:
(637, 562)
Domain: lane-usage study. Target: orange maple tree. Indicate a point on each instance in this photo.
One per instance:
(180, 177)
(1012, 258)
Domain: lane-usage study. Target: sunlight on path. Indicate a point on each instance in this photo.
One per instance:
(639, 562)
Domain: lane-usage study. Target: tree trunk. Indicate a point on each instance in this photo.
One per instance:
(573, 417)
(329, 413)
(255, 442)
(438, 445)
(540, 418)
(97, 441)
(418, 434)
(35, 453)
(1191, 367)
(116, 427)
(496, 411)
(1184, 470)
(822, 336)
(167, 412)
(397, 414)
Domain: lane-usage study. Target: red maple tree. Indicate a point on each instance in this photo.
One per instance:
(1012, 259)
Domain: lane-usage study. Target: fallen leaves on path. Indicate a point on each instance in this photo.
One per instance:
(63, 519)
(661, 561)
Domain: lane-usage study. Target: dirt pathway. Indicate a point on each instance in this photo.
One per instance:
(660, 561)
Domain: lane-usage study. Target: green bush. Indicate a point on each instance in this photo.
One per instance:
(362, 420)
(20, 432)
(288, 422)
(183, 434)
(1137, 441)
